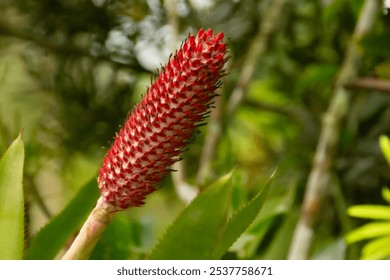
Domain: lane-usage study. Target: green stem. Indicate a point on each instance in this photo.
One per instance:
(89, 234)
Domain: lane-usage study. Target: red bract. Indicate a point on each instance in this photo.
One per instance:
(159, 128)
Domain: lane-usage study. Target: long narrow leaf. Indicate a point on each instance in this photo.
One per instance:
(12, 202)
(49, 241)
(240, 222)
(386, 194)
(195, 232)
(384, 143)
(377, 249)
(370, 212)
(368, 231)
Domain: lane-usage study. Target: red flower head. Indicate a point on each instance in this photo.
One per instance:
(159, 128)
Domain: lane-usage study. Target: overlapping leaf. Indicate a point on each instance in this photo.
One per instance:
(203, 230)
(49, 241)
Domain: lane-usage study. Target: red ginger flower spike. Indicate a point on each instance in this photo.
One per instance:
(159, 128)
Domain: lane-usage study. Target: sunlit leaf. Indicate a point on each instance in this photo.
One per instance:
(386, 194)
(49, 241)
(377, 249)
(368, 231)
(384, 143)
(12, 201)
(196, 231)
(370, 212)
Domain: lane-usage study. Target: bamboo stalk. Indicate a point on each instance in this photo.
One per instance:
(258, 47)
(338, 108)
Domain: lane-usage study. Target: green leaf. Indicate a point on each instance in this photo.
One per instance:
(368, 231)
(12, 202)
(248, 243)
(240, 222)
(384, 143)
(377, 249)
(278, 246)
(49, 241)
(125, 238)
(370, 212)
(386, 194)
(196, 231)
(275, 209)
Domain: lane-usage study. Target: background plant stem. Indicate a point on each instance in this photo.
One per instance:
(327, 143)
(257, 48)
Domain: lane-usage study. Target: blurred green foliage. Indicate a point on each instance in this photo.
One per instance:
(379, 232)
(70, 72)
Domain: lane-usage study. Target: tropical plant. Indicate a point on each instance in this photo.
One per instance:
(377, 232)
(151, 140)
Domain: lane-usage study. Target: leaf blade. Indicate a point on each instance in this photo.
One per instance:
(368, 231)
(12, 201)
(377, 249)
(386, 194)
(52, 237)
(384, 143)
(203, 218)
(240, 222)
(370, 211)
